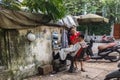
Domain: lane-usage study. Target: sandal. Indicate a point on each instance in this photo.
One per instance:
(83, 70)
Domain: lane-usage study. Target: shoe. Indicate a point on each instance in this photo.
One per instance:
(76, 70)
(54, 72)
(83, 70)
(87, 58)
(72, 70)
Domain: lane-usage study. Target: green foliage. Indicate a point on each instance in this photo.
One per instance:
(97, 29)
(112, 9)
(54, 8)
(79, 7)
(106, 8)
(11, 4)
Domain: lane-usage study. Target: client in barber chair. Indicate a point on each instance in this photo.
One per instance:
(70, 53)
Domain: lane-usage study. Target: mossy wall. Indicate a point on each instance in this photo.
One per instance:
(22, 56)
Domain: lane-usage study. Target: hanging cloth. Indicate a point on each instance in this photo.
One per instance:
(64, 39)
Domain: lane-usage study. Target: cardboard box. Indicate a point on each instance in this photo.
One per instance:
(46, 69)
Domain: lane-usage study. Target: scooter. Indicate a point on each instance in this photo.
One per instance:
(108, 40)
(110, 53)
(115, 75)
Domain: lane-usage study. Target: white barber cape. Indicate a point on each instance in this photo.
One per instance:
(73, 49)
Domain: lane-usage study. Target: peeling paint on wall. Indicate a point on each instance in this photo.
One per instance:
(21, 53)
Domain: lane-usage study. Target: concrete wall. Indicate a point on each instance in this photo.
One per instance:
(22, 56)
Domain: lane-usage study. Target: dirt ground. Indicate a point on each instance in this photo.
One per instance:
(95, 70)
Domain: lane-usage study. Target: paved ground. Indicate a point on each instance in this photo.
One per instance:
(95, 70)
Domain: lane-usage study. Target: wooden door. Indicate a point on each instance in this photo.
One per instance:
(117, 31)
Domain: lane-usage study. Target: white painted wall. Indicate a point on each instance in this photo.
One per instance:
(41, 48)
